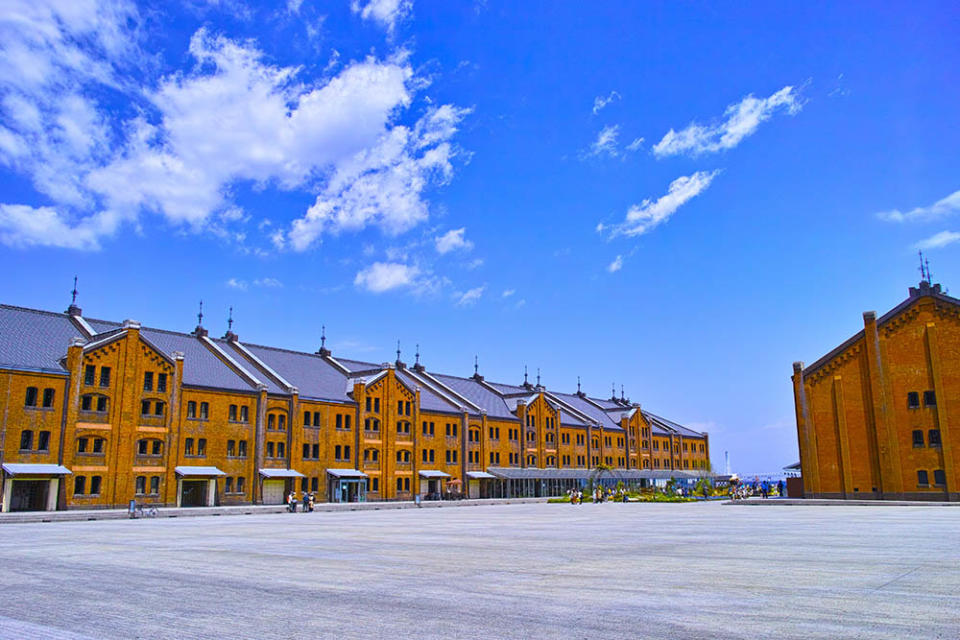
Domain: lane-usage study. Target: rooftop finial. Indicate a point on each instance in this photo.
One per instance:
(578, 384)
(230, 320)
(613, 390)
(926, 263)
(538, 376)
(73, 309)
(622, 397)
(476, 365)
(200, 315)
(417, 354)
(200, 332)
(323, 352)
(398, 351)
(525, 375)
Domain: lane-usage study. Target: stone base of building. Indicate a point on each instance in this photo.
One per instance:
(906, 496)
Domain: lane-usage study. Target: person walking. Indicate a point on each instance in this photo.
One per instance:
(292, 502)
(780, 488)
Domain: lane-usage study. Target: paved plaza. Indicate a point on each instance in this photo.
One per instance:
(518, 571)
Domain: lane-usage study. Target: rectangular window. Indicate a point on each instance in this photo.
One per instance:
(232, 413)
(241, 484)
(95, 485)
(228, 485)
(315, 450)
(188, 447)
(89, 375)
(104, 382)
(306, 419)
(158, 409)
(933, 437)
(142, 447)
(147, 386)
(140, 486)
(102, 404)
(306, 451)
(913, 400)
(316, 418)
(270, 450)
(346, 423)
(48, 395)
(155, 484)
(156, 447)
(191, 409)
(43, 441)
(338, 421)
(314, 484)
(939, 478)
(271, 421)
(242, 449)
(376, 405)
(26, 440)
(144, 407)
(400, 407)
(231, 448)
(81, 445)
(281, 422)
(162, 388)
(98, 445)
(346, 452)
(202, 447)
(31, 398)
(918, 437)
(79, 485)
(929, 399)
(281, 449)
(204, 410)
(923, 479)
(337, 453)
(244, 414)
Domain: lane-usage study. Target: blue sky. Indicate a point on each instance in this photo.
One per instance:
(682, 198)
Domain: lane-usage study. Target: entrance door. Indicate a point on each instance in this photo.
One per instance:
(273, 491)
(193, 493)
(29, 495)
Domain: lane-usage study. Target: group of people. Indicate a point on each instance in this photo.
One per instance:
(307, 502)
(599, 495)
(764, 489)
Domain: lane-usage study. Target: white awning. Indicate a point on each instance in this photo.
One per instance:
(281, 473)
(480, 475)
(198, 472)
(23, 469)
(432, 473)
(346, 473)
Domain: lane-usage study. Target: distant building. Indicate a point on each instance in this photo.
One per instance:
(96, 413)
(877, 416)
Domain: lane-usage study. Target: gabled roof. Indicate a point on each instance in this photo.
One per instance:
(924, 290)
(200, 367)
(311, 374)
(34, 340)
(478, 394)
(429, 401)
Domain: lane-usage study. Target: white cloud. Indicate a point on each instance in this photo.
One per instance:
(293, 6)
(616, 265)
(520, 303)
(384, 276)
(24, 226)
(740, 120)
(635, 145)
(606, 142)
(648, 214)
(270, 283)
(600, 102)
(231, 119)
(939, 209)
(508, 292)
(453, 240)
(470, 297)
(387, 13)
(476, 263)
(383, 185)
(235, 283)
(938, 240)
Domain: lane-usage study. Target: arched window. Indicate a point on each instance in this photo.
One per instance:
(94, 402)
(371, 455)
(403, 455)
(31, 397)
(531, 460)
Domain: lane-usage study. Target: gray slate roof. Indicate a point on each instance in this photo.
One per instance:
(200, 367)
(478, 395)
(429, 400)
(34, 340)
(313, 376)
(607, 420)
(251, 368)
